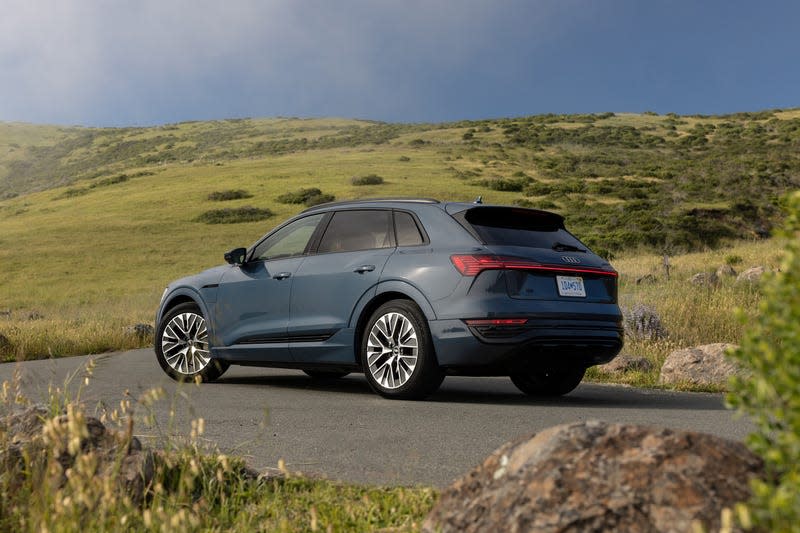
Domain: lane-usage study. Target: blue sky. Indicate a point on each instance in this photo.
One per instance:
(144, 62)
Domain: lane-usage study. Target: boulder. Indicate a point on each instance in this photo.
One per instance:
(726, 271)
(642, 322)
(141, 331)
(751, 275)
(117, 454)
(627, 363)
(705, 279)
(701, 365)
(597, 476)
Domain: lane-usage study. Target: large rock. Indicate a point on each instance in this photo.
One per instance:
(751, 275)
(701, 365)
(596, 476)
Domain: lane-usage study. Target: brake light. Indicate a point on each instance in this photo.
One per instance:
(472, 265)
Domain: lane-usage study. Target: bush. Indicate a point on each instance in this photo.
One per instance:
(223, 196)
(770, 394)
(643, 322)
(234, 216)
(372, 179)
(319, 199)
(300, 196)
(404, 159)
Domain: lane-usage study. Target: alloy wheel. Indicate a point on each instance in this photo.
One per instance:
(392, 350)
(184, 343)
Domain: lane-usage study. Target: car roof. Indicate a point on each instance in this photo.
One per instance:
(451, 208)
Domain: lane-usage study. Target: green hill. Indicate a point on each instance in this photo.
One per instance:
(95, 221)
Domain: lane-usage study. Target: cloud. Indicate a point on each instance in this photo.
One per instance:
(117, 62)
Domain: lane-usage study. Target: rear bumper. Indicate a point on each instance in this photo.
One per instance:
(543, 342)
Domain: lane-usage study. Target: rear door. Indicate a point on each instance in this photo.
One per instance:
(345, 268)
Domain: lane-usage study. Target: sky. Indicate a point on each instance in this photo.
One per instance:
(148, 62)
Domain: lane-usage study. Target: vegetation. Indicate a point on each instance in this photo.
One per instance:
(236, 215)
(307, 197)
(193, 488)
(231, 194)
(628, 185)
(371, 179)
(770, 394)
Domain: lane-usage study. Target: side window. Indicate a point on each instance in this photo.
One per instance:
(349, 231)
(407, 231)
(288, 241)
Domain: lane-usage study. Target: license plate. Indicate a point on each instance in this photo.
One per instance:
(571, 286)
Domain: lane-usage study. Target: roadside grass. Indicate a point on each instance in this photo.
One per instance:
(194, 488)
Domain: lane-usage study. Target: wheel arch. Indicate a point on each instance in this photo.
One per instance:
(182, 296)
(386, 292)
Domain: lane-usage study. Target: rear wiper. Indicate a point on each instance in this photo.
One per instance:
(561, 247)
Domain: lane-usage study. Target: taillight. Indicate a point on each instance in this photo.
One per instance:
(472, 265)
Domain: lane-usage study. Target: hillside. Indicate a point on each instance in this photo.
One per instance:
(94, 222)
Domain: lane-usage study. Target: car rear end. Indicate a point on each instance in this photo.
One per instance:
(530, 295)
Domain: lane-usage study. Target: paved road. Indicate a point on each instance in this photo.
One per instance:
(342, 430)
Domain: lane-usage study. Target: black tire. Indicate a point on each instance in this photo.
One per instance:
(548, 382)
(183, 328)
(393, 376)
(326, 374)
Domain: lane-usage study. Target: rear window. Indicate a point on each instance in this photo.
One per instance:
(508, 226)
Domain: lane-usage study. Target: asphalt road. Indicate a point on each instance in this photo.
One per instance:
(341, 430)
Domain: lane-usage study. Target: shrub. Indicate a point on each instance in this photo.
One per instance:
(319, 199)
(770, 394)
(372, 179)
(300, 196)
(233, 194)
(404, 159)
(234, 215)
(733, 259)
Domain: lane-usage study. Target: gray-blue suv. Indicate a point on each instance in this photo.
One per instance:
(405, 291)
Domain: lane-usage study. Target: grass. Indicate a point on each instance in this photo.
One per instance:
(92, 251)
(194, 488)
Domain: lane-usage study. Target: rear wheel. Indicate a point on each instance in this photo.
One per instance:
(182, 347)
(548, 382)
(397, 352)
(326, 374)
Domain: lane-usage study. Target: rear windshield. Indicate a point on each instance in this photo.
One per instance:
(508, 226)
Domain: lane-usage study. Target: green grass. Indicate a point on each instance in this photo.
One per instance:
(92, 251)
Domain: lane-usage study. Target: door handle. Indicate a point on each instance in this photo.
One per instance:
(282, 275)
(364, 268)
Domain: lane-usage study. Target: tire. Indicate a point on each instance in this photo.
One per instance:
(548, 382)
(182, 347)
(326, 374)
(397, 352)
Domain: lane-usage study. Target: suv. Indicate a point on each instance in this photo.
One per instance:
(405, 291)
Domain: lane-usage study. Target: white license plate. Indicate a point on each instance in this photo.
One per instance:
(570, 286)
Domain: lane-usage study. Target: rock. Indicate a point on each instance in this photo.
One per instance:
(751, 275)
(142, 331)
(627, 363)
(642, 322)
(705, 279)
(646, 279)
(596, 476)
(726, 271)
(116, 453)
(35, 315)
(701, 365)
(6, 347)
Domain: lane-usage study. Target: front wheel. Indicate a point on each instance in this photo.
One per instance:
(182, 347)
(397, 352)
(547, 382)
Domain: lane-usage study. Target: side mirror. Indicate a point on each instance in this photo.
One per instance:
(236, 256)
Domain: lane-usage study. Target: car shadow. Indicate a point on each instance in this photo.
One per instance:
(499, 391)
